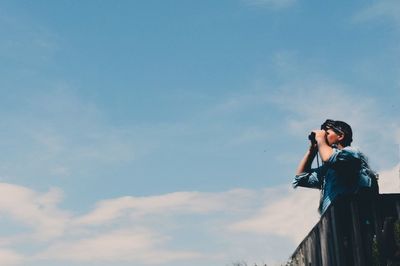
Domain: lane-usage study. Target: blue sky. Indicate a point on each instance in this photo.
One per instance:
(168, 132)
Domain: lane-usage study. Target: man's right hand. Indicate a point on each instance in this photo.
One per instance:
(320, 136)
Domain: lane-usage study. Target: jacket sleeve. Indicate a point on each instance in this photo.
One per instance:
(312, 179)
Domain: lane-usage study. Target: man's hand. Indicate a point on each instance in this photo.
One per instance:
(320, 136)
(324, 149)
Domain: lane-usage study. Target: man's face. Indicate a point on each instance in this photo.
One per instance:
(332, 137)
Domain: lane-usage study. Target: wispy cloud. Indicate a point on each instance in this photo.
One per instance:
(172, 203)
(274, 4)
(251, 134)
(306, 103)
(373, 131)
(60, 134)
(380, 9)
(25, 41)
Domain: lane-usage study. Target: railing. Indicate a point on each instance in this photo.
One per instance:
(354, 231)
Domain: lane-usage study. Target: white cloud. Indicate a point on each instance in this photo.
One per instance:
(106, 234)
(389, 180)
(292, 216)
(134, 245)
(37, 211)
(10, 257)
(117, 230)
(398, 139)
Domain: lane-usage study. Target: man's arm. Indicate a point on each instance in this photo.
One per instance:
(305, 163)
(305, 175)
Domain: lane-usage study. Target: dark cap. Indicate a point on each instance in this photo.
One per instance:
(339, 127)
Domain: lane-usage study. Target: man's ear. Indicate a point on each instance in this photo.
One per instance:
(340, 137)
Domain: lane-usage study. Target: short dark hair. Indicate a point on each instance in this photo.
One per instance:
(340, 127)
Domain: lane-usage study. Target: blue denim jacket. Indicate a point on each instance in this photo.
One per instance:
(345, 172)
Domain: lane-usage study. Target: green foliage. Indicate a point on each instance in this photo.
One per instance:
(397, 232)
(375, 252)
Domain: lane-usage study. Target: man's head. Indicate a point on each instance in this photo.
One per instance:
(341, 129)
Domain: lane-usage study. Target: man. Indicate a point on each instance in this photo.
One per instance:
(344, 169)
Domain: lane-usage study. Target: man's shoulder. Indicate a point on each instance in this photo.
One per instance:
(349, 152)
(351, 149)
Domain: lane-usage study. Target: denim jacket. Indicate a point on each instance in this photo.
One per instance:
(345, 172)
